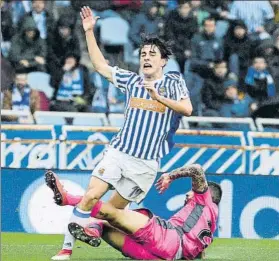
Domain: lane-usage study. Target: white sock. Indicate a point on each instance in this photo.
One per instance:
(80, 217)
(69, 240)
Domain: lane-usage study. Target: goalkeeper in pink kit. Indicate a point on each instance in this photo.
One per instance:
(140, 234)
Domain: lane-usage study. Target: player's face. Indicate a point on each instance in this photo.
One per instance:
(151, 61)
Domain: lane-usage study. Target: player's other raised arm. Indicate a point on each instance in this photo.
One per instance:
(195, 171)
(96, 56)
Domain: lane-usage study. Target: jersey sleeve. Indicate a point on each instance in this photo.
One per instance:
(122, 78)
(183, 92)
(204, 199)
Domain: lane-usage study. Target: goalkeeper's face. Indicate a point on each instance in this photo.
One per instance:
(151, 61)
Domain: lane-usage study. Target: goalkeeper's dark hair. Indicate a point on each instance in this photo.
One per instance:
(216, 192)
(163, 46)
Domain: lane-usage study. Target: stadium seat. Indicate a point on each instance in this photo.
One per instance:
(91, 119)
(109, 36)
(40, 81)
(71, 118)
(116, 120)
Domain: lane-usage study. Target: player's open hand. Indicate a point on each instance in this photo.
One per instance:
(88, 20)
(163, 183)
(149, 86)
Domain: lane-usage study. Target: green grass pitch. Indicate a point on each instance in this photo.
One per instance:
(30, 247)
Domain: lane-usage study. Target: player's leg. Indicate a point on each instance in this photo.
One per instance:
(97, 188)
(126, 245)
(117, 201)
(61, 196)
(115, 238)
(106, 173)
(127, 221)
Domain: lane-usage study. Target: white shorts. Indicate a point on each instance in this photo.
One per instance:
(131, 177)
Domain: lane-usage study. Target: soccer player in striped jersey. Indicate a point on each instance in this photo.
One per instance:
(155, 102)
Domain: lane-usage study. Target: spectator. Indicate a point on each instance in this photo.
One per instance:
(235, 104)
(19, 9)
(62, 8)
(20, 97)
(259, 82)
(257, 15)
(164, 7)
(73, 89)
(7, 28)
(116, 99)
(195, 85)
(180, 27)
(206, 49)
(274, 61)
(102, 8)
(145, 22)
(199, 11)
(218, 9)
(213, 92)
(28, 49)
(238, 50)
(64, 39)
(7, 74)
(42, 18)
(266, 49)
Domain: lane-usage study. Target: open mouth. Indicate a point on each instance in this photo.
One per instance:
(147, 65)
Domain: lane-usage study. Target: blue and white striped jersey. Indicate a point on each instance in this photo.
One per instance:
(149, 125)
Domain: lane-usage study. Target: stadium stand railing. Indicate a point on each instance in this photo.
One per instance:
(261, 122)
(71, 118)
(117, 120)
(21, 116)
(241, 121)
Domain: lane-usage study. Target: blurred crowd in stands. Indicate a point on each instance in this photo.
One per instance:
(228, 52)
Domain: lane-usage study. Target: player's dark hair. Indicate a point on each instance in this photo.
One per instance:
(163, 46)
(216, 192)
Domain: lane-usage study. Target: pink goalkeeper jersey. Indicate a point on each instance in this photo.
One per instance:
(196, 222)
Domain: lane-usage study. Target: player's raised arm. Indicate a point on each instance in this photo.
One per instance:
(199, 183)
(96, 56)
